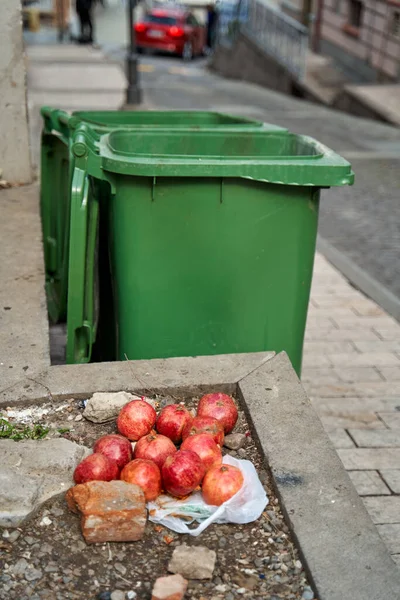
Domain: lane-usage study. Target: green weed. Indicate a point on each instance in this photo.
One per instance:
(19, 432)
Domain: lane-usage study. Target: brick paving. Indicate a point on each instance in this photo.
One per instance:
(351, 371)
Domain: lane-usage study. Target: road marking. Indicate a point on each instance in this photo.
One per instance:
(146, 68)
(177, 71)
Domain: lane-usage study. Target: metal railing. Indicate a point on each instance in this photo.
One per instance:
(275, 33)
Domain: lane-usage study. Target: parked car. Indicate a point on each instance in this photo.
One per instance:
(173, 30)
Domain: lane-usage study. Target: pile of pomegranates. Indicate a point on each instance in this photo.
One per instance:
(155, 464)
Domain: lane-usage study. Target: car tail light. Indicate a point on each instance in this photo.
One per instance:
(140, 27)
(175, 31)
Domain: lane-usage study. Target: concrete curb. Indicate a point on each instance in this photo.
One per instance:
(360, 278)
(341, 548)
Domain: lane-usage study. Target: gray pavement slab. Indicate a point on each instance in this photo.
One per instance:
(74, 78)
(24, 332)
(62, 53)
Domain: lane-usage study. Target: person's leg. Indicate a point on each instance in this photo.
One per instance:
(81, 24)
(90, 26)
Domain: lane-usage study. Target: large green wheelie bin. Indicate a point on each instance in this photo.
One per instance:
(210, 238)
(58, 127)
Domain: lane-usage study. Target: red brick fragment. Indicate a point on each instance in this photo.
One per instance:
(112, 511)
(172, 587)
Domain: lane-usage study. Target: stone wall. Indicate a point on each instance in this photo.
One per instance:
(14, 135)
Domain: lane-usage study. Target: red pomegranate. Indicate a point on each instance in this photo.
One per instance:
(136, 419)
(221, 407)
(221, 483)
(96, 467)
(205, 447)
(116, 447)
(182, 473)
(171, 421)
(146, 475)
(154, 447)
(205, 425)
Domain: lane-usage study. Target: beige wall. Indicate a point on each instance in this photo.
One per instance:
(14, 136)
(376, 45)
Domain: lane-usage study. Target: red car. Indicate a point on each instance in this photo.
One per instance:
(171, 30)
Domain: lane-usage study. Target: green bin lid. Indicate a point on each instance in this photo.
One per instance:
(280, 158)
(167, 118)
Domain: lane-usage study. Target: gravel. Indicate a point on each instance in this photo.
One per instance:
(52, 562)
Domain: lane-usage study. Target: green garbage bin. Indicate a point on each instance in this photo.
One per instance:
(58, 127)
(211, 239)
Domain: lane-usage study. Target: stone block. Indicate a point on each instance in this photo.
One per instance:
(234, 441)
(392, 479)
(328, 347)
(316, 376)
(356, 374)
(381, 346)
(368, 483)
(172, 587)
(340, 438)
(368, 359)
(105, 406)
(354, 405)
(390, 373)
(370, 459)
(112, 511)
(193, 562)
(383, 509)
(390, 418)
(33, 471)
(361, 420)
(335, 334)
(388, 333)
(386, 438)
(390, 534)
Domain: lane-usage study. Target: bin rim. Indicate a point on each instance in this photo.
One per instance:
(321, 168)
(96, 118)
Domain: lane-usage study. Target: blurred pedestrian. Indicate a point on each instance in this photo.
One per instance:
(84, 12)
(211, 26)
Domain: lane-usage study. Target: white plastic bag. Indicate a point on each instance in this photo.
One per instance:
(244, 507)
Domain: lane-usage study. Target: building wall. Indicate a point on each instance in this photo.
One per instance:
(375, 42)
(14, 137)
(368, 53)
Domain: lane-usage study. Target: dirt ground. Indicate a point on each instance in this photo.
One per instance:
(47, 557)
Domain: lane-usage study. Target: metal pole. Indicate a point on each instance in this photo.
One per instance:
(306, 12)
(316, 39)
(133, 92)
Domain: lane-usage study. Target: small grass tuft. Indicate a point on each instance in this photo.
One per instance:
(19, 432)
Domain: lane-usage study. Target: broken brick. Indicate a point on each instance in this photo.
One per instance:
(172, 587)
(112, 511)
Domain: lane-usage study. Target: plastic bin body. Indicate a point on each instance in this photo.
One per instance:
(197, 272)
(55, 214)
(56, 173)
(211, 242)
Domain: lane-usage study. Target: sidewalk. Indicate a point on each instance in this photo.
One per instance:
(71, 78)
(352, 374)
